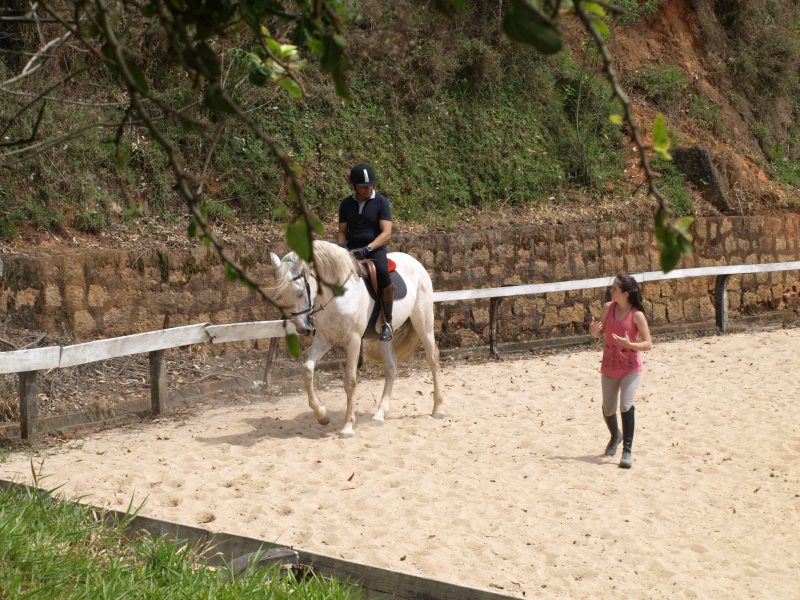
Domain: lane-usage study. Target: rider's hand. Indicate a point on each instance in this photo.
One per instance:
(360, 253)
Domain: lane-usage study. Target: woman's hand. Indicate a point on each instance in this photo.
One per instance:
(625, 342)
(595, 327)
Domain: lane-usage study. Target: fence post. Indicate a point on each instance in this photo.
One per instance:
(28, 418)
(159, 395)
(494, 305)
(273, 348)
(721, 302)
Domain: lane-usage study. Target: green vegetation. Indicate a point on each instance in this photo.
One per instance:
(785, 170)
(663, 85)
(705, 114)
(451, 122)
(50, 548)
(637, 9)
(672, 183)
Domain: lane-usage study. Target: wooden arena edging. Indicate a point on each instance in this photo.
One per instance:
(230, 549)
(27, 363)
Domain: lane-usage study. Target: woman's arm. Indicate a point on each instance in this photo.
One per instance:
(645, 343)
(596, 327)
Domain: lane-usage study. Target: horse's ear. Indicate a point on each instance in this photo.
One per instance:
(276, 261)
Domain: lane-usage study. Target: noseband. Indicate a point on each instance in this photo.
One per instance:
(310, 308)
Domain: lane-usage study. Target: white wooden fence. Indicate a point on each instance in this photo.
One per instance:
(27, 363)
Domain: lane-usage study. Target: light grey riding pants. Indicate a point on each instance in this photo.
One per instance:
(619, 388)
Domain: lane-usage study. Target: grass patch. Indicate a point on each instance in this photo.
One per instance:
(672, 183)
(785, 170)
(663, 85)
(51, 548)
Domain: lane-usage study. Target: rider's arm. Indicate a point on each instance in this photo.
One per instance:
(384, 236)
(341, 235)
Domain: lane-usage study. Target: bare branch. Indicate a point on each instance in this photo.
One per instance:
(182, 176)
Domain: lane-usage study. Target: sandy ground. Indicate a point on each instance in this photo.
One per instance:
(509, 492)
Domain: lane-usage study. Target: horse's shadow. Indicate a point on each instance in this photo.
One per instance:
(303, 425)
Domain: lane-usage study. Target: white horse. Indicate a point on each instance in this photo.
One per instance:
(307, 293)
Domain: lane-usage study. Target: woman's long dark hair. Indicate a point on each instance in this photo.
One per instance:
(628, 284)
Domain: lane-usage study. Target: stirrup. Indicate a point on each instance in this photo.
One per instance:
(386, 333)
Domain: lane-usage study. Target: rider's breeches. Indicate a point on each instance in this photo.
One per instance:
(381, 267)
(622, 389)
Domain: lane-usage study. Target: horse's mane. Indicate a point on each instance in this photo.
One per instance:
(333, 264)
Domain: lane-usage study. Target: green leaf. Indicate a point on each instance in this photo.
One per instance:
(661, 141)
(231, 272)
(683, 224)
(616, 119)
(318, 226)
(139, 80)
(215, 100)
(260, 75)
(523, 23)
(122, 155)
(601, 27)
(298, 237)
(595, 8)
(293, 344)
(449, 7)
(191, 230)
(291, 86)
(338, 290)
(209, 60)
(670, 255)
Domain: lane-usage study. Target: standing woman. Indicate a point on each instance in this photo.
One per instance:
(627, 335)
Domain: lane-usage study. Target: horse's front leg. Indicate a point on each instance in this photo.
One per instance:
(390, 374)
(353, 351)
(318, 349)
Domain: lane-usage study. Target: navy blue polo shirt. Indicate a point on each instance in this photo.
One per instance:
(362, 219)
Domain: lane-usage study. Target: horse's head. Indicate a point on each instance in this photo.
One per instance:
(296, 291)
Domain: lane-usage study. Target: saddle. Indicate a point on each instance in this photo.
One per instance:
(370, 277)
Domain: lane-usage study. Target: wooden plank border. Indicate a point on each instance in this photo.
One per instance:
(138, 343)
(227, 547)
(33, 359)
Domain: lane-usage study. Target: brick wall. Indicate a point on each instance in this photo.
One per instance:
(99, 294)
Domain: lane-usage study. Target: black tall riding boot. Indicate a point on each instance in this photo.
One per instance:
(616, 434)
(627, 438)
(387, 300)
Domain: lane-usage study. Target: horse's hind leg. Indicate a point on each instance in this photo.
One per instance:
(390, 372)
(318, 349)
(423, 325)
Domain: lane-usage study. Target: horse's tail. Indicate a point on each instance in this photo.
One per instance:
(405, 341)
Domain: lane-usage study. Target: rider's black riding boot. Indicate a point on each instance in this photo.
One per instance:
(387, 299)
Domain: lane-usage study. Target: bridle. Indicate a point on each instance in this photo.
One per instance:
(310, 311)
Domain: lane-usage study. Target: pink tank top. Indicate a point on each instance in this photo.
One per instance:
(619, 361)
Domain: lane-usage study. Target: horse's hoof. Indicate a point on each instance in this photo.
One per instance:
(346, 433)
(322, 417)
(378, 418)
(438, 414)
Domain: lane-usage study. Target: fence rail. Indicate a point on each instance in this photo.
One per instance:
(27, 363)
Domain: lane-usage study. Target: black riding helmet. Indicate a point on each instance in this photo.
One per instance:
(362, 174)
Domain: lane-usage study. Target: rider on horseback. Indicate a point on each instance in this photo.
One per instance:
(365, 226)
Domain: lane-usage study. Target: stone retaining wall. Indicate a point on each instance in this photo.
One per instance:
(99, 294)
